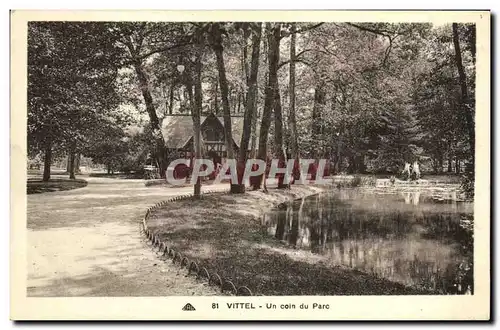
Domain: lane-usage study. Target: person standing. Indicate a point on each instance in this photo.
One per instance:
(416, 170)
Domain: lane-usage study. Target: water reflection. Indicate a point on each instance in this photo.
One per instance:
(405, 237)
(411, 197)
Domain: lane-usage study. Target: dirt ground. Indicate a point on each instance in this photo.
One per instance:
(86, 242)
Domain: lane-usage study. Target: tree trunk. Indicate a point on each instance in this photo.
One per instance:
(109, 168)
(450, 160)
(278, 131)
(239, 103)
(196, 109)
(319, 102)
(216, 103)
(250, 114)
(294, 232)
(259, 113)
(72, 161)
(251, 100)
(278, 116)
(280, 227)
(171, 100)
(217, 46)
(47, 161)
(463, 86)
(153, 118)
(68, 167)
(269, 94)
(72, 166)
(292, 124)
(247, 30)
(253, 139)
(77, 163)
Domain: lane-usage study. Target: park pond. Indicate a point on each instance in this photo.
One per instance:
(411, 237)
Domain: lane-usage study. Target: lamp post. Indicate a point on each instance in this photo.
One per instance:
(180, 68)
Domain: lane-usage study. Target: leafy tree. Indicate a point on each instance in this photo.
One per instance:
(367, 96)
(71, 76)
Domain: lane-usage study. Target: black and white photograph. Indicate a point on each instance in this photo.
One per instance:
(257, 158)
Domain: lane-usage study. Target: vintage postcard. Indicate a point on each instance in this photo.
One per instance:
(250, 165)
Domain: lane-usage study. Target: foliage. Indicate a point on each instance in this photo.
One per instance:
(356, 182)
(467, 185)
(393, 179)
(71, 81)
(367, 96)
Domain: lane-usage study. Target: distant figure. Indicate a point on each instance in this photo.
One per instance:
(415, 173)
(215, 172)
(406, 172)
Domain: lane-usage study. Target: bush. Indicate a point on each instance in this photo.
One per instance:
(356, 182)
(467, 185)
(151, 174)
(405, 176)
(368, 181)
(393, 180)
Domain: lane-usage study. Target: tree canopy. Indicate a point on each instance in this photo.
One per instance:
(367, 96)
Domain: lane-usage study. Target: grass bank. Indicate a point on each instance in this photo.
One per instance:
(37, 186)
(224, 234)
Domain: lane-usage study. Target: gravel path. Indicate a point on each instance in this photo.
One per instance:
(86, 242)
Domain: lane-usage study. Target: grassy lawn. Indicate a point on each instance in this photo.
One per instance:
(224, 234)
(37, 186)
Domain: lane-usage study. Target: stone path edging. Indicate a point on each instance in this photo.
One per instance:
(177, 258)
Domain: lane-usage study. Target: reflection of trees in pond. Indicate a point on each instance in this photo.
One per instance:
(280, 227)
(430, 267)
(294, 233)
(411, 197)
(411, 246)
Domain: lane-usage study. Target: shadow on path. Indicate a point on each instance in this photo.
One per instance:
(86, 242)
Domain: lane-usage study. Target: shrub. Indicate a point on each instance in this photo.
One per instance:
(151, 174)
(369, 181)
(356, 182)
(467, 185)
(393, 180)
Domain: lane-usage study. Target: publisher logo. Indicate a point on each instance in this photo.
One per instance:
(188, 307)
